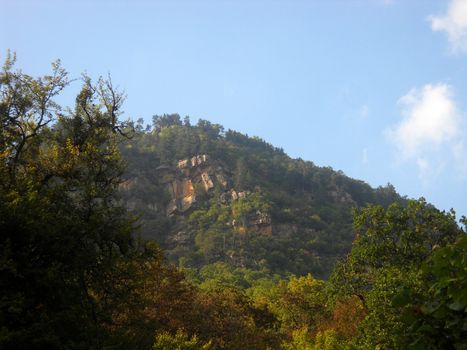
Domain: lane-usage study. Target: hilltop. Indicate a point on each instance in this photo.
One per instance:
(207, 195)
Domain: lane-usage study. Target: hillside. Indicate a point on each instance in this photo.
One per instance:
(207, 195)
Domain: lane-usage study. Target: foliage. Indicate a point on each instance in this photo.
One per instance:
(347, 313)
(301, 340)
(390, 247)
(143, 299)
(229, 319)
(323, 340)
(165, 341)
(436, 316)
(61, 230)
(301, 302)
(396, 237)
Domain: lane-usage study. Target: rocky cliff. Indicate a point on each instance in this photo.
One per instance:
(193, 178)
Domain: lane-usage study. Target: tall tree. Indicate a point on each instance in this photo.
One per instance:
(61, 230)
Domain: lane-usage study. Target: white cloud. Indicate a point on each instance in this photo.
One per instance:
(430, 119)
(431, 133)
(454, 23)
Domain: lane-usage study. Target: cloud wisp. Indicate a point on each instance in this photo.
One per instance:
(454, 23)
(365, 156)
(364, 112)
(430, 127)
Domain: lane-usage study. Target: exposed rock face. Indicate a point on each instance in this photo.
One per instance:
(192, 176)
(181, 188)
(242, 194)
(198, 160)
(259, 222)
(262, 218)
(221, 179)
(183, 195)
(190, 181)
(181, 237)
(182, 182)
(183, 163)
(234, 195)
(208, 184)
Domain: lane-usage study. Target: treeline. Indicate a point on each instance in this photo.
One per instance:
(74, 275)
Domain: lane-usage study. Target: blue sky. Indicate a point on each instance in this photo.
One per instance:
(375, 88)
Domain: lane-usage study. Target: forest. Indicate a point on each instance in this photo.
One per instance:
(250, 250)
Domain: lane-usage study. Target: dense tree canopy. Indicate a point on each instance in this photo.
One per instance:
(61, 230)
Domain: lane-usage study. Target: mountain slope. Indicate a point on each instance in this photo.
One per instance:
(208, 196)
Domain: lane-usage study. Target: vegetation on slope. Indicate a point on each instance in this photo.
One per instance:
(308, 208)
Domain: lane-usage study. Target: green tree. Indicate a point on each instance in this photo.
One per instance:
(390, 247)
(396, 237)
(164, 121)
(301, 303)
(434, 316)
(61, 228)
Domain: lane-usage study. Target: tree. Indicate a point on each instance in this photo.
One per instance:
(147, 296)
(390, 246)
(226, 317)
(62, 231)
(396, 237)
(26, 108)
(434, 316)
(301, 303)
(164, 121)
